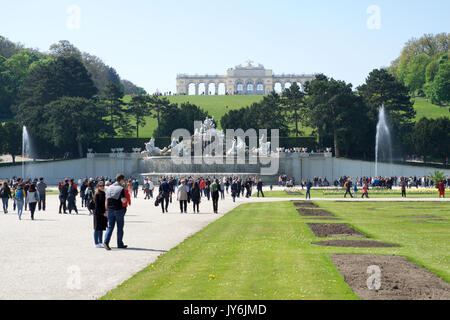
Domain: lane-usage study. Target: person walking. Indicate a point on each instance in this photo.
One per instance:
(83, 188)
(441, 189)
(308, 189)
(164, 191)
(63, 193)
(135, 188)
(196, 196)
(355, 190)
(32, 199)
(41, 188)
(182, 196)
(215, 195)
(20, 199)
(115, 198)
(72, 193)
(100, 216)
(403, 186)
(5, 194)
(260, 186)
(234, 190)
(348, 188)
(365, 191)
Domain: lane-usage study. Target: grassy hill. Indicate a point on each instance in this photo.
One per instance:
(217, 106)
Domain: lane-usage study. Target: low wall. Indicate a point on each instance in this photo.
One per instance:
(296, 165)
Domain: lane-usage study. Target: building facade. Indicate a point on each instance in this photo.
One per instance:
(241, 80)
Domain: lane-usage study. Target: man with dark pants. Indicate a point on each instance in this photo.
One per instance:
(165, 190)
(348, 188)
(259, 186)
(41, 186)
(215, 195)
(308, 189)
(115, 198)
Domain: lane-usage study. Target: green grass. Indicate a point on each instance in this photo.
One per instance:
(264, 251)
(425, 108)
(410, 193)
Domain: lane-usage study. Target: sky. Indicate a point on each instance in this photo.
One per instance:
(150, 41)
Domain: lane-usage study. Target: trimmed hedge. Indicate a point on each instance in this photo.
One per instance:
(106, 144)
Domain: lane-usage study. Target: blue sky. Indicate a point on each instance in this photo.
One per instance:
(149, 42)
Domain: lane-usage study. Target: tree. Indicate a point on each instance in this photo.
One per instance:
(293, 100)
(440, 87)
(381, 88)
(65, 49)
(130, 88)
(13, 144)
(118, 118)
(173, 117)
(139, 108)
(159, 105)
(333, 111)
(74, 121)
(415, 77)
(431, 137)
(55, 78)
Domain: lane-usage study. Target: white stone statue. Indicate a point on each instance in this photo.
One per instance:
(152, 151)
(238, 147)
(264, 148)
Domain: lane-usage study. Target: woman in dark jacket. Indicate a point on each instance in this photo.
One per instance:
(100, 218)
(195, 194)
(5, 193)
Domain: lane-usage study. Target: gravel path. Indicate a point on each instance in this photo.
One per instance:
(54, 256)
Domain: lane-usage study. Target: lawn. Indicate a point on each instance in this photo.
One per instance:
(425, 108)
(264, 251)
(318, 193)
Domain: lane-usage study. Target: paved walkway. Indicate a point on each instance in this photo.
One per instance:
(54, 257)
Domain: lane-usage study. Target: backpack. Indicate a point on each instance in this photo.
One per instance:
(214, 187)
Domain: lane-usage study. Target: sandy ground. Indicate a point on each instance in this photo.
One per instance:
(54, 256)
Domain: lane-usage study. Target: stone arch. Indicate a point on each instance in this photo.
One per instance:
(202, 88)
(192, 89)
(287, 85)
(221, 88)
(240, 87)
(259, 87)
(249, 87)
(211, 88)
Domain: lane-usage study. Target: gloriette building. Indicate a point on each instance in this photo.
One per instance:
(241, 80)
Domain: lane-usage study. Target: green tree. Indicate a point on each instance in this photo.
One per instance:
(293, 100)
(381, 88)
(158, 106)
(415, 77)
(440, 87)
(13, 144)
(431, 137)
(118, 117)
(139, 108)
(74, 121)
(334, 110)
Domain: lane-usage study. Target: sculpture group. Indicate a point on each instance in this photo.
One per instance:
(205, 135)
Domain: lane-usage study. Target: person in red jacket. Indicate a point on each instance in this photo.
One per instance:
(202, 186)
(441, 189)
(128, 196)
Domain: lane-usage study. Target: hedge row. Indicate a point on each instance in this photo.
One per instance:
(105, 145)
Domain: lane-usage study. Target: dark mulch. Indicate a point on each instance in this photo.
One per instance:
(314, 213)
(356, 244)
(334, 230)
(305, 205)
(294, 194)
(321, 218)
(400, 278)
(418, 217)
(419, 221)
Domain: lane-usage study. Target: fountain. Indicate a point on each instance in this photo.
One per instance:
(383, 145)
(26, 148)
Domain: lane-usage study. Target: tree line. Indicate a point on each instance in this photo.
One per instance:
(424, 67)
(16, 63)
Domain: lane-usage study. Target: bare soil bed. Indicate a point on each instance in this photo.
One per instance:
(355, 244)
(314, 213)
(334, 230)
(400, 278)
(324, 218)
(305, 205)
